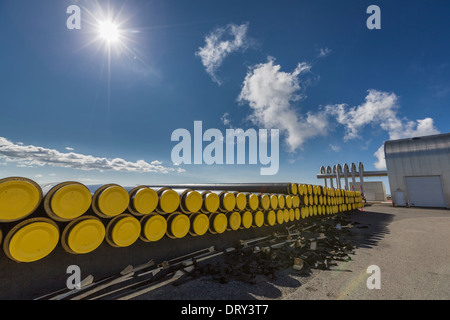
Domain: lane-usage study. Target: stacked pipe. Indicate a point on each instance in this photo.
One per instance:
(35, 218)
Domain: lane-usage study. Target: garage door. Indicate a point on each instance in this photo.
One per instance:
(425, 191)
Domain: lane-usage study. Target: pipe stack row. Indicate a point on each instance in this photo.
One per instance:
(35, 218)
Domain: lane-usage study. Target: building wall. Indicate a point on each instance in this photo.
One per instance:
(417, 157)
(373, 190)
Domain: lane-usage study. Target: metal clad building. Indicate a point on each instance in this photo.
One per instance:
(373, 190)
(419, 170)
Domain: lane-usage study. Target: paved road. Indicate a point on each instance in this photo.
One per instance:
(411, 247)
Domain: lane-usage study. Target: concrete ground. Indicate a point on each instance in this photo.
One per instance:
(411, 247)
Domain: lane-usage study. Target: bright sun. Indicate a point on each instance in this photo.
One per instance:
(109, 31)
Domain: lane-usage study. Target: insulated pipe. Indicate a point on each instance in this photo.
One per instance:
(83, 235)
(285, 188)
(234, 220)
(168, 200)
(143, 200)
(199, 224)
(153, 227)
(247, 219)
(191, 201)
(227, 200)
(31, 240)
(218, 222)
(241, 200)
(65, 201)
(178, 225)
(109, 200)
(211, 201)
(258, 218)
(122, 231)
(270, 218)
(19, 197)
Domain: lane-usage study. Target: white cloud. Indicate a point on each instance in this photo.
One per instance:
(270, 94)
(323, 52)
(380, 108)
(219, 44)
(335, 148)
(225, 120)
(69, 148)
(380, 164)
(31, 156)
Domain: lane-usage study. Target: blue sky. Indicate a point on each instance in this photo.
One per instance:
(335, 89)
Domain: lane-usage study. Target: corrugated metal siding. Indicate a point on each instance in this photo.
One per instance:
(422, 156)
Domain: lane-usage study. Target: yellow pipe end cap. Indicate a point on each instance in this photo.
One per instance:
(289, 201)
(265, 202)
(229, 201)
(286, 215)
(303, 212)
(305, 189)
(291, 214)
(33, 241)
(71, 201)
(212, 202)
(253, 201)
(271, 218)
(234, 220)
(258, 218)
(281, 201)
(200, 224)
(169, 201)
(193, 201)
(86, 236)
(113, 201)
(126, 231)
(17, 199)
(273, 201)
(180, 226)
(297, 213)
(145, 200)
(241, 201)
(280, 216)
(247, 219)
(220, 223)
(294, 188)
(295, 201)
(155, 228)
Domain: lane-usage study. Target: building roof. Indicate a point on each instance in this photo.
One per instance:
(433, 144)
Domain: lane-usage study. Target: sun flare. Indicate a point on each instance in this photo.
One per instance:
(109, 31)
